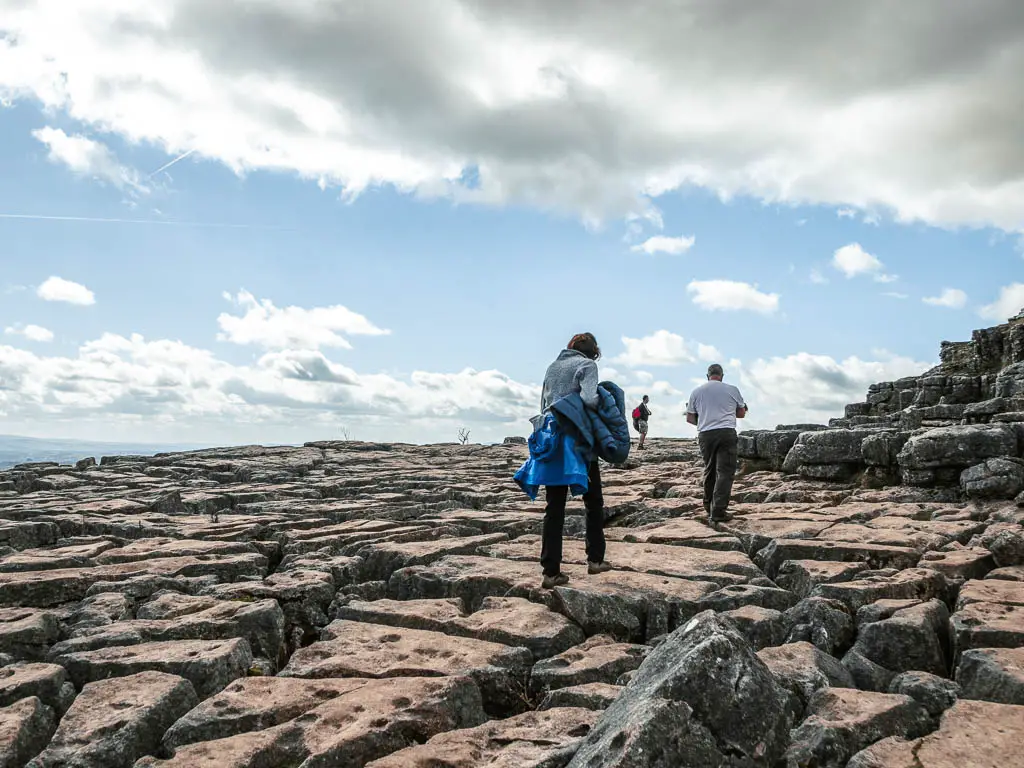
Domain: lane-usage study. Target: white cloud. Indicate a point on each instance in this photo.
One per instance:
(186, 392)
(817, 278)
(266, 325)
(1007, 305)
(852, 260)
(846, 213)
(790, 389)
(591, 108)
(88, 158)
(59, 289)
(165, 390)
(30, 332)
(612, 374)
(707, 353)
(896, 295)
(661, 348)
(732, 295)
(809, 388)
(665, 389)
(952, 298)
(662, 244)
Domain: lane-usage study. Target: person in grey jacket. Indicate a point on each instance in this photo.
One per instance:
(574, 370)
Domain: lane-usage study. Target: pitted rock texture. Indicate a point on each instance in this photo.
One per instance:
(344, 603)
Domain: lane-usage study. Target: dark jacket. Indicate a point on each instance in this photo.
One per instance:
(599, 433)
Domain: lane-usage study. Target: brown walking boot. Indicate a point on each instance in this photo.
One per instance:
(558, 580)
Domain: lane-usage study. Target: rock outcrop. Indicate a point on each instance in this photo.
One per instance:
(960, 424)
(367, 604)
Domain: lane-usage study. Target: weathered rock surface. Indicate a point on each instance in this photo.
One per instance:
(887, 555)
(506, 620)
(936, 694)
(911, 638)
(376, 719)
(972, 733)
(357, 649)
(998, 478)
(826, 624)
(694, 683)
(992, 674)
(530, 740)
(114, 722)
(587, 696)
(598, 660)
(26, 634)
(261, 624)
(25, 729)
(803, 669)
(208, 664)
(255, 704)
(843, 721)
(47, 682)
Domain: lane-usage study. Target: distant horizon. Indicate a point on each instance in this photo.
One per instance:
(197, 446)
(9, 435)
(24, 449)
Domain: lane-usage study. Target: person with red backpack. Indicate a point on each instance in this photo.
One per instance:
(640, 416)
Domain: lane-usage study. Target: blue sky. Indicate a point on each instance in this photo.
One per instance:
(308, 281)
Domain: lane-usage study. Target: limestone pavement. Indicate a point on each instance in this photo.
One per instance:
(356, 604)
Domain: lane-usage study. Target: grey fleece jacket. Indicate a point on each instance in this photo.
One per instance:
(571, 372)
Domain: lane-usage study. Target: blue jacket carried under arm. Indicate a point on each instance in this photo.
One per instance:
(553, 460)
(599, 433)
(570, 435)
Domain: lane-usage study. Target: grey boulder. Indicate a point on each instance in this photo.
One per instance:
(700, 695)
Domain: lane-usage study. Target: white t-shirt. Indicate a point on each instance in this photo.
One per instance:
(715, 405)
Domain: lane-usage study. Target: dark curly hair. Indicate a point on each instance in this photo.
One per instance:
(586, 344)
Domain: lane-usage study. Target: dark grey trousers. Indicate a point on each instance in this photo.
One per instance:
(718, 449)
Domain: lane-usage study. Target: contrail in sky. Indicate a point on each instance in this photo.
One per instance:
(168, 165)
(161, 222)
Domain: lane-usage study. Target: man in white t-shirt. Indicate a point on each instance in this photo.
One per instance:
(713, 408)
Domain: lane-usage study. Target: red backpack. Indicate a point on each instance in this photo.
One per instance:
(636, 413)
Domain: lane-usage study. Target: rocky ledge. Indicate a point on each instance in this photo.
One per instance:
(959, 424)
(353, 604)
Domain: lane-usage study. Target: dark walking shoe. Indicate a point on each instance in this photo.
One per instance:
(558, 580)
(595, 568)
(721, 518)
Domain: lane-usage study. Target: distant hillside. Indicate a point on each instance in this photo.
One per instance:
(17, 450)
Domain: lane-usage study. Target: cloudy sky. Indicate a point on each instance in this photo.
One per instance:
(282, 220)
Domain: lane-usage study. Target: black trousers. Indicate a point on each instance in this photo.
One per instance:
(718, 449)
(554, 522)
